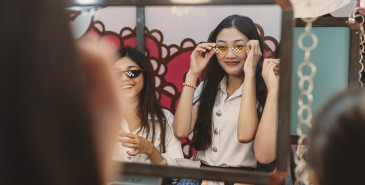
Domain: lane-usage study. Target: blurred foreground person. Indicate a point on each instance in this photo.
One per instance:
(58, 101)
(336, 151)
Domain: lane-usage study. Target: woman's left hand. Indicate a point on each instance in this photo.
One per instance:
(270, 74)
(139, 144)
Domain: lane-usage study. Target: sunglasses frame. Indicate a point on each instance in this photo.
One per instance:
(131, 74)
(234, 48)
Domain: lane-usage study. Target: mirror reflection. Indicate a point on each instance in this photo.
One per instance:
(222, 90)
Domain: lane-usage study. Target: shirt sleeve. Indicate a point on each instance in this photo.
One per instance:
(173, 144)
(198, 91)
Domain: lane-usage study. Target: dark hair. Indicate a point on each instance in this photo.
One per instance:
(45, 131)
(336, 142)
(148, 104)
(214, 74)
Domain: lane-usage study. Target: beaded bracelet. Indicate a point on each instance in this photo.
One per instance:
(185, 84)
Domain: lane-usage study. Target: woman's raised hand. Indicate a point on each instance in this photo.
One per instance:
(199, 58)
(253, 58)
(270, 73)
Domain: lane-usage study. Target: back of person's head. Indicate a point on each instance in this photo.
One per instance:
(336, 142)
(46, 126)
(148, 103)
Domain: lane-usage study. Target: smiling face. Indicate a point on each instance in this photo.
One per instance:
(232, 61)
(129, 85)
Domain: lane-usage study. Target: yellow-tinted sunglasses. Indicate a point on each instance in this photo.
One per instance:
(222, 50)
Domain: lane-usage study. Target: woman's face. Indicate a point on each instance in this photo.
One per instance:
(232, 62)
(130, 77)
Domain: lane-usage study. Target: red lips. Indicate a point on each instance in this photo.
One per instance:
(232, 62)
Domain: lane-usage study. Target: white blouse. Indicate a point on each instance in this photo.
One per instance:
(226, 150)
(173, 144)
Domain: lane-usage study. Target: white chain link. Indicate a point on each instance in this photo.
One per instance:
(305, 93)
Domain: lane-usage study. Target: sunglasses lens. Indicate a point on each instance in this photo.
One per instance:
(133, 73)
(221, 50)
(240, 49)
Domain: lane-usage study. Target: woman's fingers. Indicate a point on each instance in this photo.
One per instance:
(210, 54)
(269, 67)
(129, 145)
(276, 61)
(199, 50)
(203, 47)
(254, 46)
(258, 50)
(268, 61)
(123, 140)
(206, 46)
(134, 153)
(265, 66)
(126, 134)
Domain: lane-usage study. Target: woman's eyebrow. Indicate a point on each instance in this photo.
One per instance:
(238, 40)
(129, 67)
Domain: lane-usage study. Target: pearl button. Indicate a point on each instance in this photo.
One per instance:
(216, 131)
(218, 113)
(129, 157)
(214, 149)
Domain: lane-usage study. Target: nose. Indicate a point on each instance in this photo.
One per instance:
(124, 77)
(230, 53)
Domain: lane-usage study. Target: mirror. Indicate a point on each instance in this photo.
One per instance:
(171, 33)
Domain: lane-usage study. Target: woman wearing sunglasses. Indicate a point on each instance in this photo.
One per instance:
(147, 135)
(233, 112)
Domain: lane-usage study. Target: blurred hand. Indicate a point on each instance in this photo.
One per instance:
(134, 141)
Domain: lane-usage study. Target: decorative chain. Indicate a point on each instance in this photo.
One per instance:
(306, 88)
(352, 19)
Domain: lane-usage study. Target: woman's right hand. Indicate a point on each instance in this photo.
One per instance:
(139, 144)
(270, 74)
(198, 61)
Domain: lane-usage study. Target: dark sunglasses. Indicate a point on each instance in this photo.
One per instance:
(132, 73)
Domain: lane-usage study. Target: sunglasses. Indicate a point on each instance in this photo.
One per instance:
(222, 50)
(131, 73)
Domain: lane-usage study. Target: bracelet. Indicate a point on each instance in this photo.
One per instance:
(185, 84)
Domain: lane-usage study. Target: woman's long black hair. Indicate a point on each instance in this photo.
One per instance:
(148, 104)
(214, 74)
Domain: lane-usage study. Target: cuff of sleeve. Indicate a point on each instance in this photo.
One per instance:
(164, 162)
